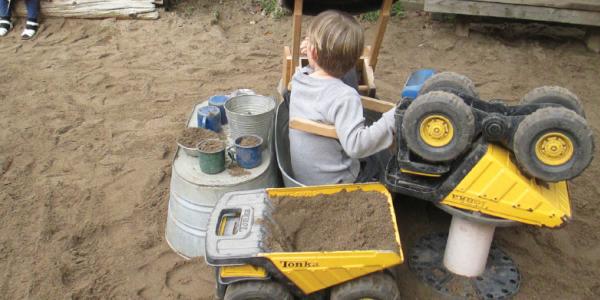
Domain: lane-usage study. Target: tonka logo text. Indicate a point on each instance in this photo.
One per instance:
(468, 201)
(245, 220)
(299, 264)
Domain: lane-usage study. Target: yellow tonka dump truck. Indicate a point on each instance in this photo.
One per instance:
(236, 244)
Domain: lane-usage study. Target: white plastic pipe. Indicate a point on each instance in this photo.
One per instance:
(468, 247)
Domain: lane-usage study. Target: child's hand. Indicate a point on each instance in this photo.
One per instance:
(304, 46)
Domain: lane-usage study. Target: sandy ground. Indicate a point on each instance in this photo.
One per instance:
(89, 113)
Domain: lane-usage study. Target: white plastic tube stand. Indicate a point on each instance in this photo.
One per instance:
(468, 247)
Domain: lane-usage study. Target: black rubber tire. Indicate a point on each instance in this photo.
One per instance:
(449, 82)
(313, 7)
(556, 95)
(439, 103)
(263, 289)
(547, 120)
(378, 286)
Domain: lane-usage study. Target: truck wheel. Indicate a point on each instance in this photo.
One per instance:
(438, 126)
(556, 95)
(553, 144)
(377, 286)
(449, 82)
(260, 290)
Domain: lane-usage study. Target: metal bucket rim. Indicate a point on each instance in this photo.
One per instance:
(231, 100)
(212, 110)
(261, 141)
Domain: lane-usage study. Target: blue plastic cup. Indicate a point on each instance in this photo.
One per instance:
(219, 101)
(248, 156)
(209, 117)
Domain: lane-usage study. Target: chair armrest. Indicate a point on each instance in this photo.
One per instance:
(376, 105)
(313, 127)
(329, 130)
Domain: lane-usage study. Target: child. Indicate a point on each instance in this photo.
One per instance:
(335, 43)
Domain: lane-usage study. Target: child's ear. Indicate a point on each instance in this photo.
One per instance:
(312, 52)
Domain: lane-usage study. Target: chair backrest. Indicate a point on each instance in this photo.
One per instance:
(313, 7)
(299, 7)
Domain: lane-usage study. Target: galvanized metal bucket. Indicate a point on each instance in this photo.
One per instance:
(282, 146)
(250, 114)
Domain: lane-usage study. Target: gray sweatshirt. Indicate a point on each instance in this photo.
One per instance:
(321, 160)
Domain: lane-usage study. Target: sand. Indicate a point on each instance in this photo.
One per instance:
(235, 170)
(90, 111)
(343, 221)
(211, 146)
(249, 141)
(191, 136)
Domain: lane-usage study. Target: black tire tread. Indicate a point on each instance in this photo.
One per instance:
(566, 120)
(380, 283)
(449, 80)
(269, 289)
(440, 99)
(554, 94)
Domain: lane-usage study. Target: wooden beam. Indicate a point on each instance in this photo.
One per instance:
(363, 89)
(94, 9)
(376, 105)
(589, 5)
(296, 35)
(313, 127)
(369, 77)
(384, 16)
(287, 65)
(411, 5)
(490, 9)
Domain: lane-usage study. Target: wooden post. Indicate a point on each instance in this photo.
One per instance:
(296, 37)
(592, 40)
(287, 65)
(462, 26)
(384, 16)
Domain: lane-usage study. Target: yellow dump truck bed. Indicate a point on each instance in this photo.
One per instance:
(242, 253)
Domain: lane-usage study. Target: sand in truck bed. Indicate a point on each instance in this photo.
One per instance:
(356, 220)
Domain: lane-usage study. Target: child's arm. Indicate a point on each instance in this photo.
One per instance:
(356, 139)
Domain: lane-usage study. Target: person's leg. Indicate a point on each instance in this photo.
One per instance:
(32, 25)
(5, 9)
(5, 23)
(33, 10)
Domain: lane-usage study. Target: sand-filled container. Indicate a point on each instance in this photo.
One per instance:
(250, 114)
(316, 237)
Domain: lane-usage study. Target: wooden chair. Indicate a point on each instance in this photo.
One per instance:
(365, 67)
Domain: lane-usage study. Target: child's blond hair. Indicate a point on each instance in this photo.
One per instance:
(338, 39)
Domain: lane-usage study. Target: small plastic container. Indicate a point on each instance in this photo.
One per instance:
(219, 101)
(209, 117)
(415, 82)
